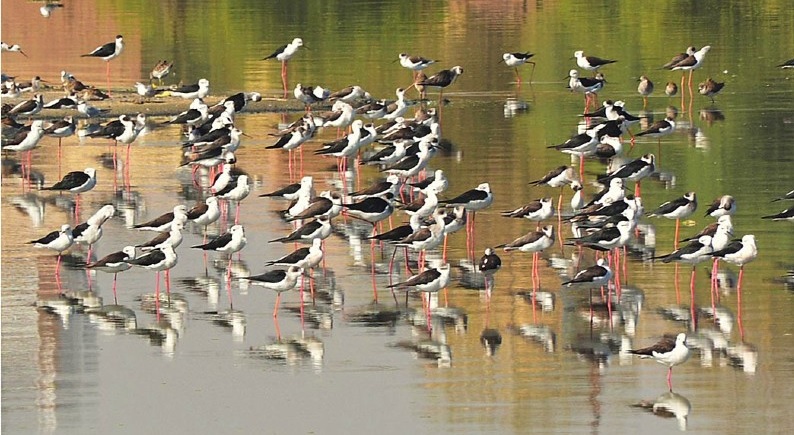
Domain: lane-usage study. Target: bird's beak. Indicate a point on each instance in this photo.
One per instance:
(23, 53)
(246, 135)
(306, 47)
(500, 61)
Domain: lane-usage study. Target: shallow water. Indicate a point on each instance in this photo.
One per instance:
(213, 361)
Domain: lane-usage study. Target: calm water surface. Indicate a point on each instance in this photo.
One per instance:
(214, 360)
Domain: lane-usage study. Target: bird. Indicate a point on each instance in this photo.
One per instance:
(490, 263)
(199, 89)
(429, 281)
(739, 253)
(645, 88)
(534, 241)
(789, 195)
(537, 210)
(279, 280)
(172, 237)
(660, 128)
(161, 70)
(472, 200)
(58, 241)
(76, 182)
(158, 260)
(634, 170)
(13, 48)
(284, 54)
(236, 191)
(787, 64)
(679, 57)
(441, 79)
(590, 63)
(514, 60)
(679, 208)
(291, 191)
(29, 107)
(319, 228)
(607, 238)
(414, 63)
(305, 258)
(372, 209)
(668, 351)
(691, 63)
(114, 263)
(107, 52)
(163, 222)
(25, 141)
(595, 276)
(229, 242)
(785, 215)
(587, 86)
(671, 89)
(710, 88)
(724, 205)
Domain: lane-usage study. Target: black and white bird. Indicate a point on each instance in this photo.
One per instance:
(739, 252)
(585, 85)
(429, 281)
(189, 92)
(327, 204)
(229, 242)
(114, 263)
(205, 213)
(609, 237)
(414, 63)
(279, 280)
(29, 107)
(441, 79)
(474, 199)
(291, 191)
(668, 351)
(678, 208)
(76, 182)
(319, 228)
(438, 181)
(25, 141)
(722, 206)
(514, 60)
(57, 241)
(594, 276)
(389, 186)
(590, 63)
(306, 258)
(172, 238)
(534, 241)
(537, 210)
(286, 51)
(490, 263)
(789, 195)
(193, 116)
(12, 48)
(692, 253)
(634, 170)
(659, 129)
(372, 209)
(158, 260)
(163, 222)
(108, 52)
(785, 215)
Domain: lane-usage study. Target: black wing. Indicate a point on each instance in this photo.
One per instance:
(218, 242)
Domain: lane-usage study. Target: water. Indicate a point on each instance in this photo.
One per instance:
(353, 367)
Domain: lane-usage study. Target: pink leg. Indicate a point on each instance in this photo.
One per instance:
(278, 301)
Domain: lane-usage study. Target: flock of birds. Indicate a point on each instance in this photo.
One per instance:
(405, 147)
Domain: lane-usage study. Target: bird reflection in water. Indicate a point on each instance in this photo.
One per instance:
(669, 405)
(113, 317)
(425, 345)
(490, 339)
(30, 205)
(374, 316)
(542, 334)
(291, 350)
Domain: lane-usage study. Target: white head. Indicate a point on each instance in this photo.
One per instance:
(66, 228)
(91, 172)
(574, 74)
(578, 54)
(237, 229)
(298, 42)
(204, 83)
(485, 187)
